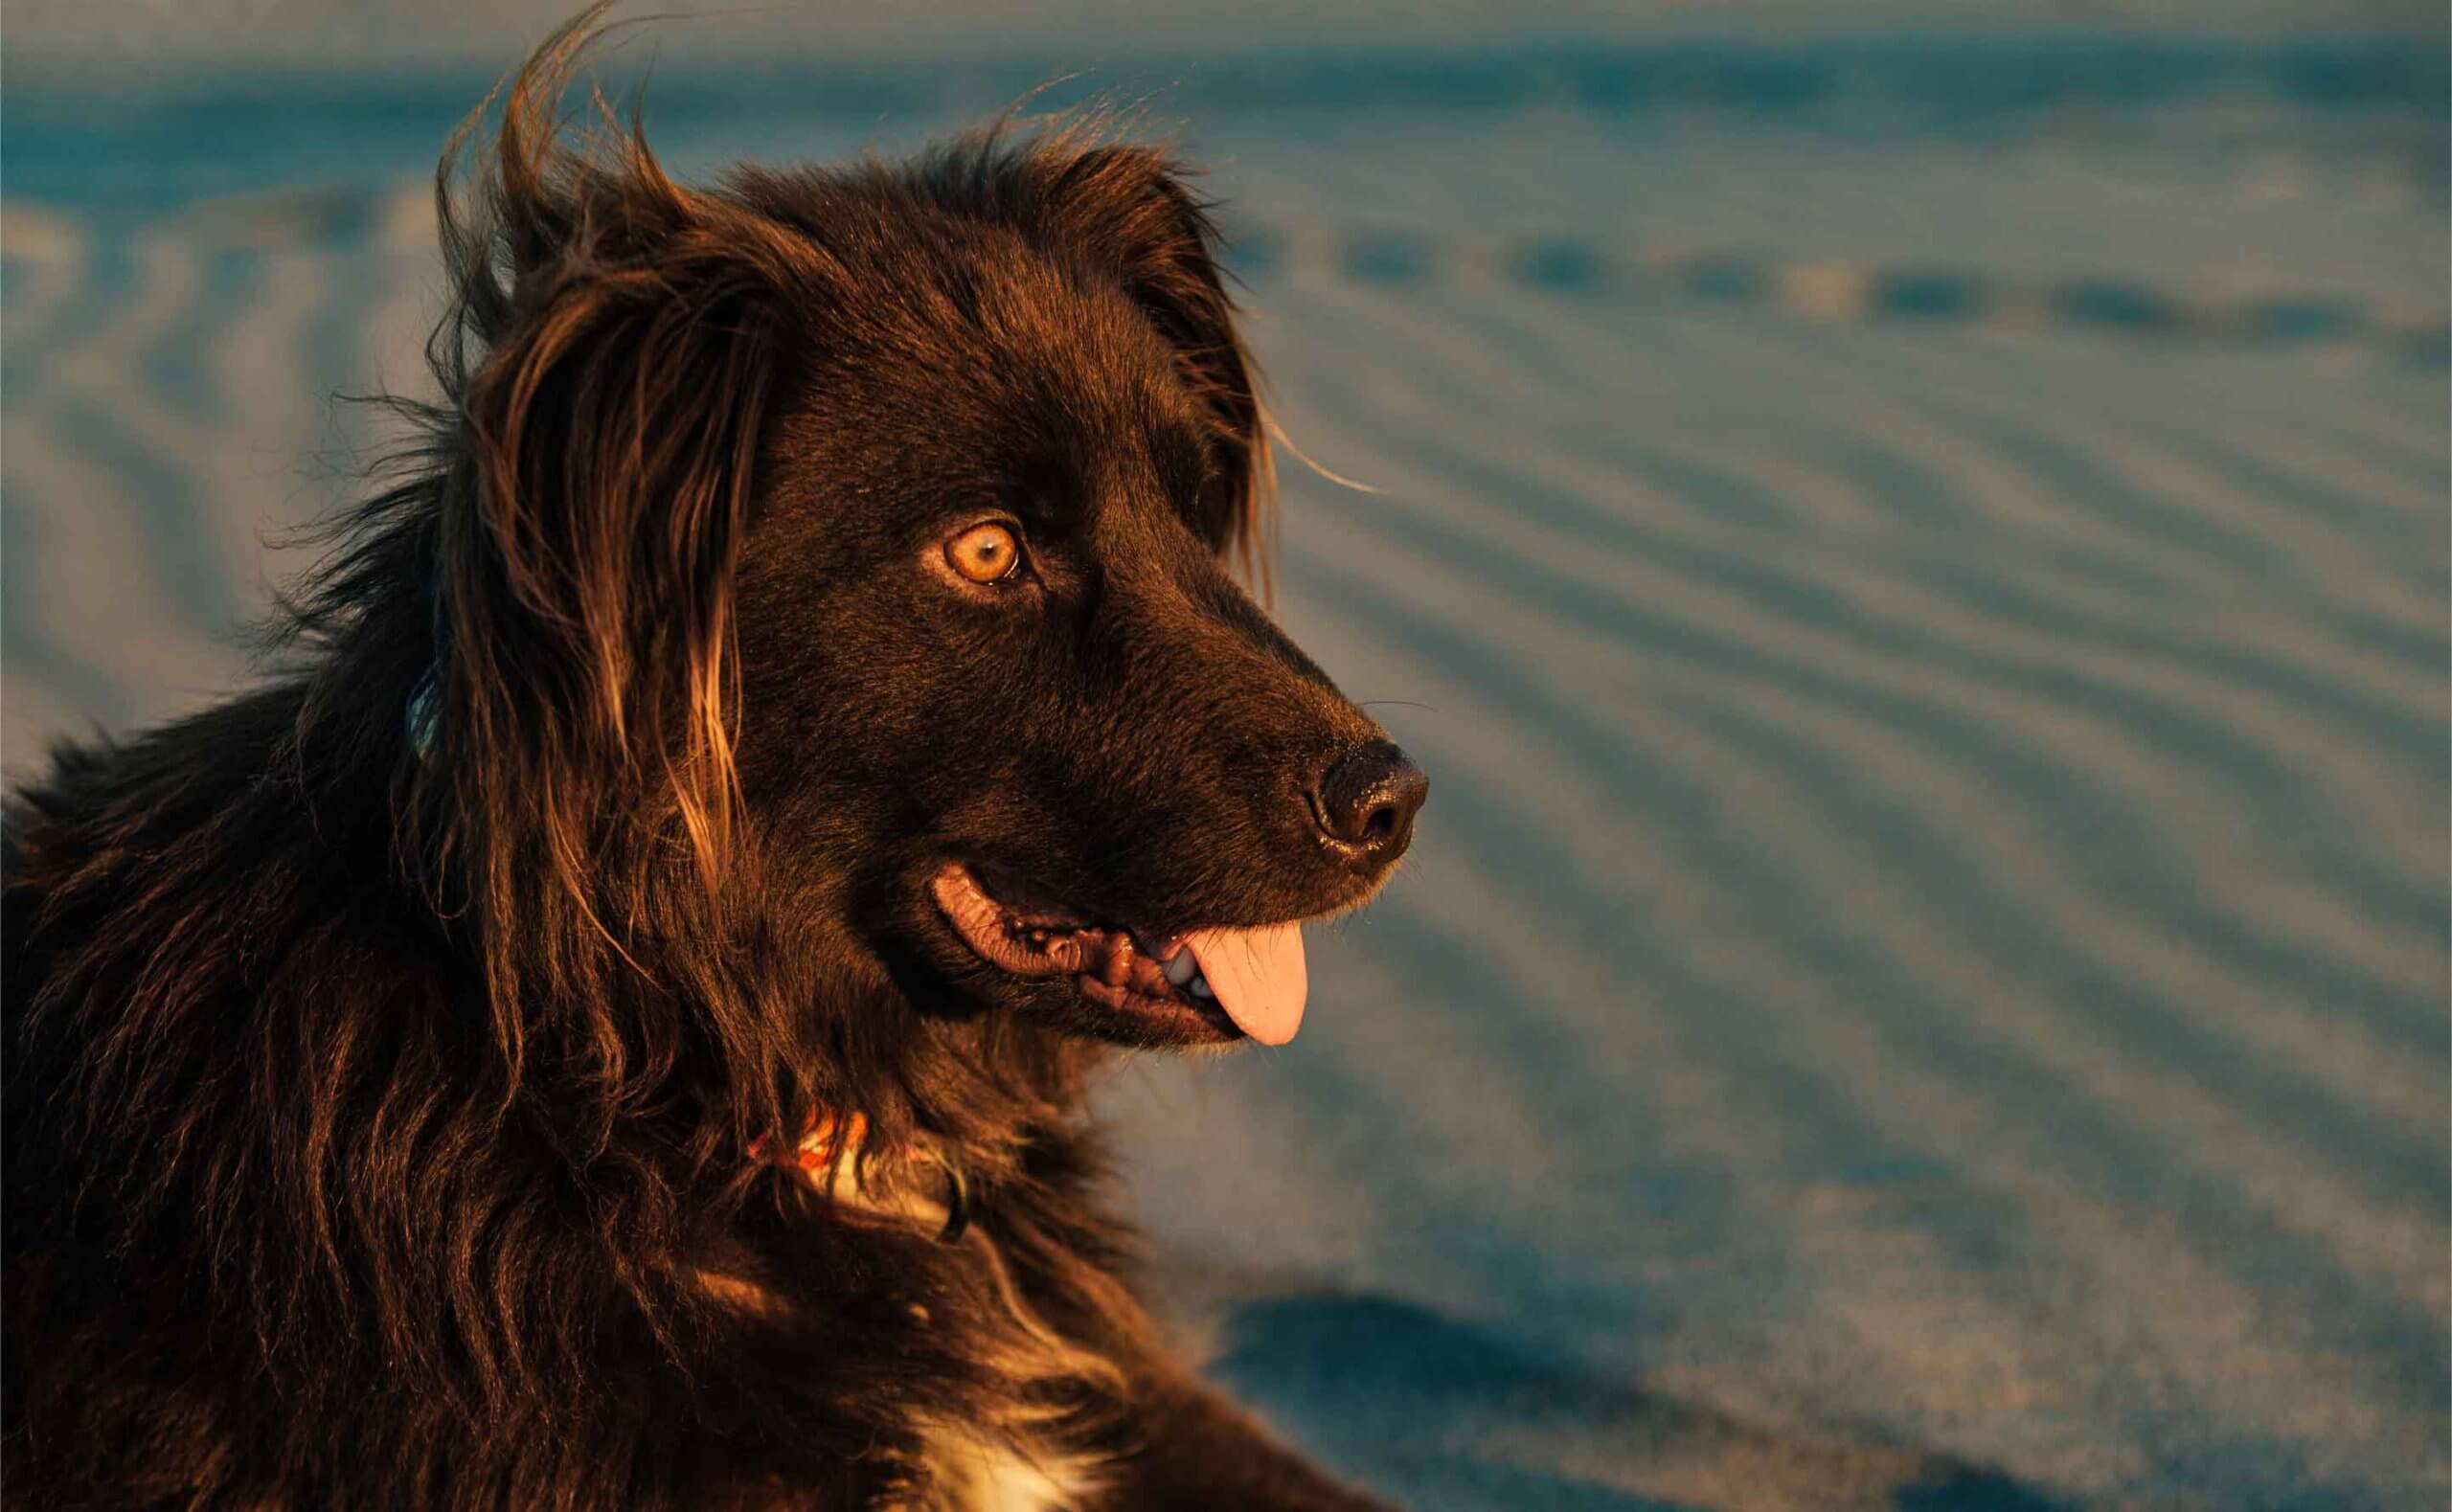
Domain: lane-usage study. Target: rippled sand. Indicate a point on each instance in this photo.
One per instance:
(1922, 983)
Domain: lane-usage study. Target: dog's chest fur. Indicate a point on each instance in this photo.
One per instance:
(974, 1477)
(963, 1468)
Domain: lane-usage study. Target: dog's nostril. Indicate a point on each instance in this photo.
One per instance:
(1367, 799)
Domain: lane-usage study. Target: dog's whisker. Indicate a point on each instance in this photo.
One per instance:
(1277, 432)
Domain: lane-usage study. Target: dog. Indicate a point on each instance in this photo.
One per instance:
(605, 1024)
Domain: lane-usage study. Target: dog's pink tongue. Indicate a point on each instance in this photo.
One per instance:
(1258, 977)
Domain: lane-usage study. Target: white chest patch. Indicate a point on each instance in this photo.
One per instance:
(972, 1477)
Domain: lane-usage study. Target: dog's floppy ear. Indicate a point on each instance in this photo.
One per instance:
(613, 355)
(1129, 208)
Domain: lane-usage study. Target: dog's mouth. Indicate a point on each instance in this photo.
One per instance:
(1231, 982)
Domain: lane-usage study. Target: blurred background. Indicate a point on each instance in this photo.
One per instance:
(1912, 537)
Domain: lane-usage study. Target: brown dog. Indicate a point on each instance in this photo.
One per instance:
(605, 1028)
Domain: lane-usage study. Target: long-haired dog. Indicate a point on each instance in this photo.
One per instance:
(605, 1028)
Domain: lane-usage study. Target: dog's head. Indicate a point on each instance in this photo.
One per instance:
(880, 528)
(997, 678)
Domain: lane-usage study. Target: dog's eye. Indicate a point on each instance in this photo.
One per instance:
(985, 553)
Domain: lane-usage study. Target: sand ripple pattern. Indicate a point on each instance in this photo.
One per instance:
(1923, 981)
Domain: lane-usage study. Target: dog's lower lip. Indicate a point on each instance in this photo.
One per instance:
(1119, 968)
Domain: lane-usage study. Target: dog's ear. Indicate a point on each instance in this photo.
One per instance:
(1130, 208)
(615, 352)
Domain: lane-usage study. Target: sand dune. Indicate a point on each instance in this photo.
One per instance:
(1923, 981)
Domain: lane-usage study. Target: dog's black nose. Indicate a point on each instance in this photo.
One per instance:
(1367, 799)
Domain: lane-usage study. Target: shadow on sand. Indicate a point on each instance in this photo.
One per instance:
(1443, 1415)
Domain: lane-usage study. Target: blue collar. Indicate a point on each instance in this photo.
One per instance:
(423, 719)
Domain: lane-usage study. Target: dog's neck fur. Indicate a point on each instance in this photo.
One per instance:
(969, 1467)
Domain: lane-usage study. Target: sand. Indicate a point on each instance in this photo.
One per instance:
(1922, 982)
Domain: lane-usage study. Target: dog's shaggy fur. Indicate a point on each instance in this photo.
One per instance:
(403, 1060)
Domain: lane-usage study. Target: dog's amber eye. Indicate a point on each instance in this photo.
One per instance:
(985, 553)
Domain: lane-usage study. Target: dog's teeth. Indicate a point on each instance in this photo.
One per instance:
(1199, 985)
(1181, 967)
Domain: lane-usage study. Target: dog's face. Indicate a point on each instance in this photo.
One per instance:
(1005, 711)
(882, 519)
